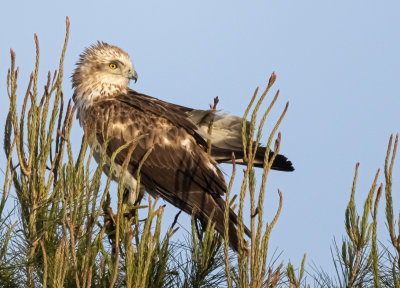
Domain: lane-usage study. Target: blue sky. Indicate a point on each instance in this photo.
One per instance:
(337, 64)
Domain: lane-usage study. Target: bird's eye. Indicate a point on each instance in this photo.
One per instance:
(113, 66)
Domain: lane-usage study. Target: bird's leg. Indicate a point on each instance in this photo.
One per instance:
(109, 224)
(201, 227)
(129, 198)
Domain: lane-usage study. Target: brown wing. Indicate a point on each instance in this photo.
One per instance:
(222, 148)
(176, 154)
(177, 115)
(178, 168)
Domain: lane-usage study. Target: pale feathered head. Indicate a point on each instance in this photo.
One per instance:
(102, 69)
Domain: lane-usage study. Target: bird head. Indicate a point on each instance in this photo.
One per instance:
(103, 64)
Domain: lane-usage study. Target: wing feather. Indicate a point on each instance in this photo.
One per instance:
(178, 169)
(186, 167)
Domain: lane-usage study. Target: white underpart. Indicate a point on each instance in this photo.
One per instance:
(186, 143)
(99, 85)
(86, 96)
(93, 83)
(130, 181)
(85, 99)
(166, 141)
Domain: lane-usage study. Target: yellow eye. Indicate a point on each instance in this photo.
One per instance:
(113, 66)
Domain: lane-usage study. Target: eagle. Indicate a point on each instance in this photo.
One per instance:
(173, 137)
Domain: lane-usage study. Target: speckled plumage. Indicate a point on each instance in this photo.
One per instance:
(178, 169)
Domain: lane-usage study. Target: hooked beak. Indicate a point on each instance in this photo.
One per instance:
(133, 75)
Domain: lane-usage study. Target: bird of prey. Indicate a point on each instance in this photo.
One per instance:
(178, 167)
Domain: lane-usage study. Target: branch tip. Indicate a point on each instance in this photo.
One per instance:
(272, 79)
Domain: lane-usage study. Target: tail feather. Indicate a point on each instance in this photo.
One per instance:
(281, 162)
